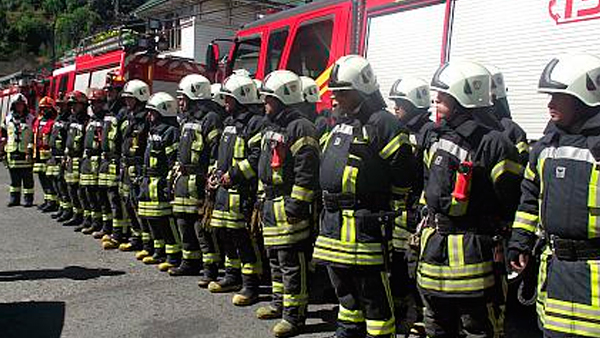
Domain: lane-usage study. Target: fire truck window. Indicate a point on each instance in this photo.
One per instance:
(64, 82)
(310, 52)
(275, 49)
(247, 54)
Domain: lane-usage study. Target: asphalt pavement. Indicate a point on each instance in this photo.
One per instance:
(58, 283)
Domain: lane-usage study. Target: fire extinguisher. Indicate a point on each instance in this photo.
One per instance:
(463, 181)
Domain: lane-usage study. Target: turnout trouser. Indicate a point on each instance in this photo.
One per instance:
(366, 305)
(459, 317)
(289, 280)
(21, 181)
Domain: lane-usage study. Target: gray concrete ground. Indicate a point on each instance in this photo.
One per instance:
(57, 283)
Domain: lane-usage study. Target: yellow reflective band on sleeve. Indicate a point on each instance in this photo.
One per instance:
(304, 141)
(154, 209)
(525, 221)
(506, 166)
(348, 232)
(381, 328)
(529, 174)
(246, 169)
(277, 287)
(522, 147)
(286, 234)
(349, 180)
(352, 316)
(173, 147)
(456, 252)
(393, 146)
(213, 134)
(302, 194)
(593, 205)
(294, 300)
(255, 139)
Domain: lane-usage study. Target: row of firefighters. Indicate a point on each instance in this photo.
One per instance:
(398, 208)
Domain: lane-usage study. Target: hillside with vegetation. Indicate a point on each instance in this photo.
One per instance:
(32, 32)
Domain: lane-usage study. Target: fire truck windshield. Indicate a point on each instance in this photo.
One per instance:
(247, 54)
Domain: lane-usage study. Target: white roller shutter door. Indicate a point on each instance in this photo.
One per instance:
(407, 43)
(98, 79)
(163, 86)
(519, 37)
(82, 82)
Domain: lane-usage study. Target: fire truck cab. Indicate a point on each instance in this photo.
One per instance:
(413, 37)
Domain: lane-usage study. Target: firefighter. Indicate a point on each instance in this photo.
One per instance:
(288, 171)
(367, 169)
(113, 220)
(135, 133)
(471, 189)
(17, 132)
(90, 164)
(42, 129)
(215, 90)
(560, 200)
(154, 208)
(411, 105)
(73, 154)
(512, 130)
(55, 166)
(236, 169)
(201, 128)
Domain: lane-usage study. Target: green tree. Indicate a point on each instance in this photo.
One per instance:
(72, 27)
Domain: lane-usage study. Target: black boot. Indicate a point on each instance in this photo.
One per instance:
(208, 275)
(42, 206)
(106, 230)
(158, 257)
(52, 206)
(249, 293)
(86, 223)
(66, 216)
(232, 281)
(15, 199)
(95, 225)
(188, 267)
(57, 214)
(173, 261)
(76, 220)
(27, 200)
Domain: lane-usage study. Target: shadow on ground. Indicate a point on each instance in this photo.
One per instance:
(69, 272)
(32, 319)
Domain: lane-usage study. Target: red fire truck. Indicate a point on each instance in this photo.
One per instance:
(124, 53)
(412, 37)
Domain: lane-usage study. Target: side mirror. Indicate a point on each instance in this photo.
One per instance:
(212, 57)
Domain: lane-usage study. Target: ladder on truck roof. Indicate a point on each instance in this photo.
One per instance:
(104, 42)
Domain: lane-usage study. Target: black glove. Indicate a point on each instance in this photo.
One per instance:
(512, 255)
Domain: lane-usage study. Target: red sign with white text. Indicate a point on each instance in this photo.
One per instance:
(566, 11)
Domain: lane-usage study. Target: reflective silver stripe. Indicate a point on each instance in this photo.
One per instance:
(569, 153)
(451, 148)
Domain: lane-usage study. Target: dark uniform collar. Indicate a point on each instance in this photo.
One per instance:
(242, 115)
(284, 116)
(416, 121)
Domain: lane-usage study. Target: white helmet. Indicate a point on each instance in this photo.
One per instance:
(242, 72)
(137, 89)
(18, 98)
(466, 81)
(195, 87)
(310, 89)
(283, 85)
(241, 88)
(163, 103)
(413, 90)
(215, 89)
(498, 89)
(574, 74)
(353, 72)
